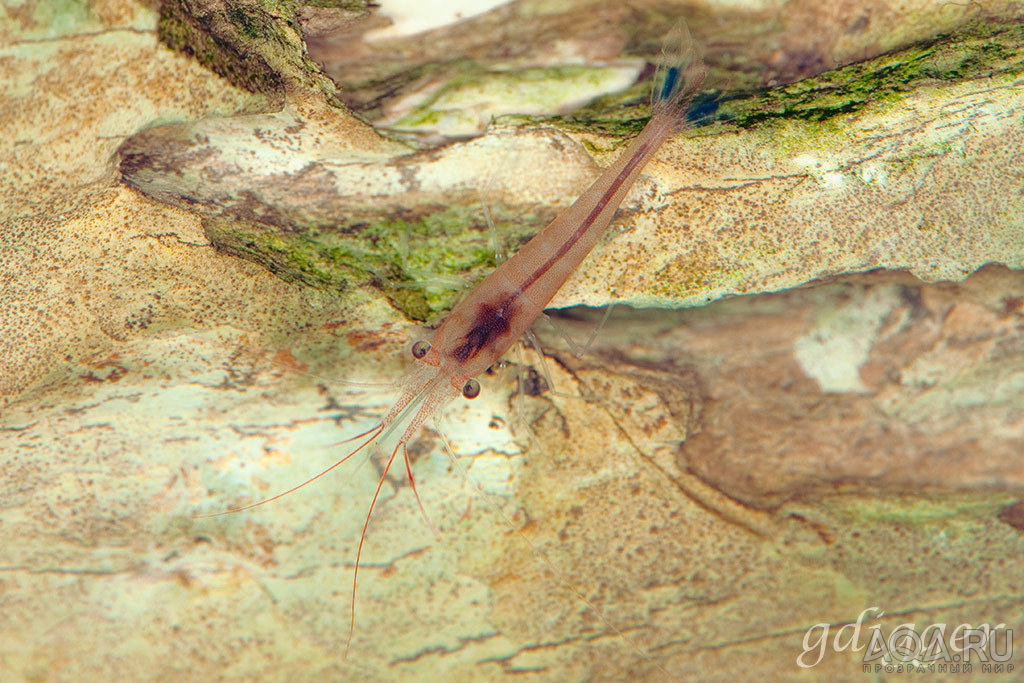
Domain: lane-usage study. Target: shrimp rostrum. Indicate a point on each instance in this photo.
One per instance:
(494, 315)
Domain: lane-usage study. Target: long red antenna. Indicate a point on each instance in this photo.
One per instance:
(423, 510)
(373, 431)
(359, 552)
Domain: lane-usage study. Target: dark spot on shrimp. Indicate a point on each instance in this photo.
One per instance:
(491, 324)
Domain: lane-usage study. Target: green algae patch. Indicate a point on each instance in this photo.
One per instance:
(423, 263)
(691, 274)
(257, 46)
(980, 51)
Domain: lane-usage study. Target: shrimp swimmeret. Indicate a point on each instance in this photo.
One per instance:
(507, 302)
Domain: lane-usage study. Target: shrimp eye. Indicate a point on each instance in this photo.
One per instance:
(471, 389)
(419, 349)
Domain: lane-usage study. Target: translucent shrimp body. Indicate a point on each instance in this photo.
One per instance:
(508, 301)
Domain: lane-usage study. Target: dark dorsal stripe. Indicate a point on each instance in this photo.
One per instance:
(493, 320)
(578, 233)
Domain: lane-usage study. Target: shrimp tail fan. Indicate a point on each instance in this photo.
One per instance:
(680, 73)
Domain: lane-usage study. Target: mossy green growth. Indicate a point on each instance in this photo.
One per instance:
(424, 262)
(257, 46)
(621, 114)
(185, 33)
(982, 50)
(692, 274)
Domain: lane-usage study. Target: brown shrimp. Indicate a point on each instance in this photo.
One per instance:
(482, 327)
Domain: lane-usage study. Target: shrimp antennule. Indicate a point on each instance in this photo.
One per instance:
(425, 403)
(362, 537)
(374, 432)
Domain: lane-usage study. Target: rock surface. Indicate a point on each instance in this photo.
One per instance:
(906, 162)
(688, 499)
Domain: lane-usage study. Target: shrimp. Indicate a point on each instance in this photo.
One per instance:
(494, 315)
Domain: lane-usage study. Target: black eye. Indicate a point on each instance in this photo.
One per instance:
(419, 349)
(471, 389)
